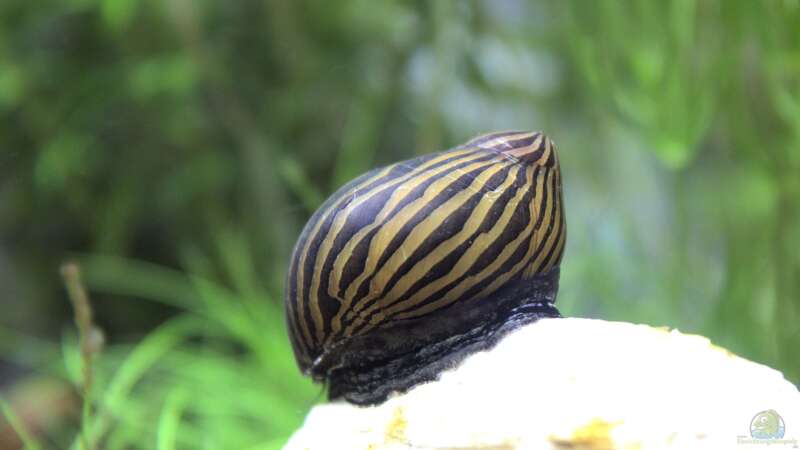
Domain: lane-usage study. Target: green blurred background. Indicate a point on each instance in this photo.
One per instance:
(175, 148)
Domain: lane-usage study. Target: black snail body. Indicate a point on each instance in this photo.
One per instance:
(409, 268)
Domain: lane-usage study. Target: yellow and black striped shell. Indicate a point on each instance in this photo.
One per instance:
(400, 256)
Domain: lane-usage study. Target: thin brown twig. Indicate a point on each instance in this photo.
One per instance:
(88, 340)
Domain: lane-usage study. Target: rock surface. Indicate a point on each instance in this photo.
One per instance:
(574, 384)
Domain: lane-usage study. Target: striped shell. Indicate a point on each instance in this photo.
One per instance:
(411, 239)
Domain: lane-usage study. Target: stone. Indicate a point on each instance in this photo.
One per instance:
(576, 384)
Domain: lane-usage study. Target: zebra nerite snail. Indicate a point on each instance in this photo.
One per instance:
(409, 268)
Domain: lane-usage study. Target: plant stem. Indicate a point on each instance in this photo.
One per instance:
(16, 424)
(88, 338)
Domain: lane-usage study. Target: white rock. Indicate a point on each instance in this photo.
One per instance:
(573, 384)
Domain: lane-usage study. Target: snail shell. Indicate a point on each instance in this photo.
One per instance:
(409, 268)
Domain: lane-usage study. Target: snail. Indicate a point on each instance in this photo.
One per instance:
(409, 268)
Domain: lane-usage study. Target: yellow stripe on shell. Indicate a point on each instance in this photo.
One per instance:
(544, 231)
(302, 261)
(340, 218)
(417, 236)
(461, 267)
(390, 228)
(496, 283)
